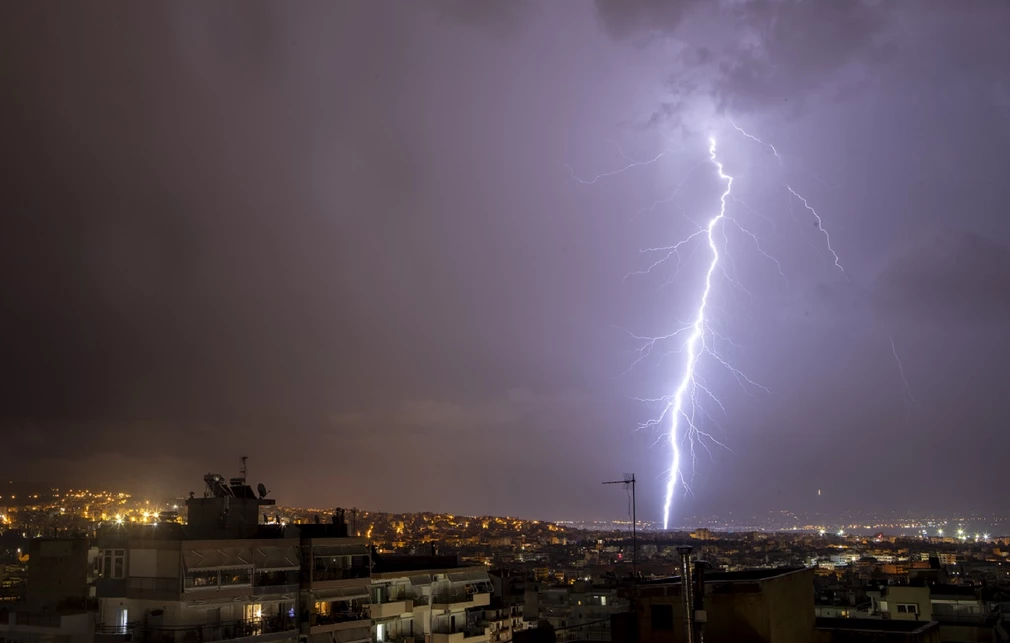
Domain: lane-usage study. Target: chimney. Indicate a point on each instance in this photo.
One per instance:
(687, 590)
(700, 615)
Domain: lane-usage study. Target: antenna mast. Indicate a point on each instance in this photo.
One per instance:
(629, 479)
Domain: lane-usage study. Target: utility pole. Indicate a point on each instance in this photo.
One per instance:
(630, 480)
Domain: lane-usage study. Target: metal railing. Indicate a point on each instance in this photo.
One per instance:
(274, 579)
(468, 631)
(965, 618)
(456, 597)
(390, 595)
(341, 616)
(142, 584)
(205, 633)
(474, 631)
(592, 631)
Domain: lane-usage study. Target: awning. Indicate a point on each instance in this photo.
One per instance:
(214, 559)
(356, 549)
(341, 593)
(469, 577)
(276, 558)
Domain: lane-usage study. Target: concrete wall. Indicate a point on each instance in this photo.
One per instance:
(791, 606)
(154, 563)
(57, 571)
(776, 610)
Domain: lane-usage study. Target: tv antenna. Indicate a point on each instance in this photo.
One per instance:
(629, 479)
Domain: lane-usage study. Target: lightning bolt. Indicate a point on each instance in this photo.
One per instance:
(631, 164)
(757, 140)
(819, 224)
(901, 370)
(695, 342)
(683, 410)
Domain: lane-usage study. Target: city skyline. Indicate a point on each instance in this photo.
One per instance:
(392, 255)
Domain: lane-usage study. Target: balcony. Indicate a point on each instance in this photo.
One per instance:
(261, 630)
(339, 573)
(391, 608)
(473, 634)
(327, 622)
(461, 600)
(152, 588)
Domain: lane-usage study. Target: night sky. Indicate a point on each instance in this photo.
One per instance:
(343, 239)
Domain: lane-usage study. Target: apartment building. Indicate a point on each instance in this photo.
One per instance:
(413, 597)
(228, 575)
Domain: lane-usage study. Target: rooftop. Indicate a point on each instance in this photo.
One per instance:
(386, 564)
(744, 576)
(874, 625)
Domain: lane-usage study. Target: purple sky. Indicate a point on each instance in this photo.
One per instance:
(342, 239)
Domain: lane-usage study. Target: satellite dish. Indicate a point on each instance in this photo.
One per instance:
(262, 490)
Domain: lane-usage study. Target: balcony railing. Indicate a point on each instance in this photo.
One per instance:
(140, 584)
(965, 618)
(455, 597)
(468, 631)
(342, 616)
(390, 595)
(206, 633)
(593, 631)
(276, 579)
(340, 573)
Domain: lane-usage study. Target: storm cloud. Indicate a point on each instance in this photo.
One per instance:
(342, 239)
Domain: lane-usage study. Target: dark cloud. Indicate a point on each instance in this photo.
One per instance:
(336, 237)
(498, 17)
(760, 54)
(635, 18)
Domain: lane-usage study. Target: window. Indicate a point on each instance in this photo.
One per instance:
(904, 608)
(112, 563)
(252, 612)
(199, 579)
(238, 576)
(662, 617)
(380, 632)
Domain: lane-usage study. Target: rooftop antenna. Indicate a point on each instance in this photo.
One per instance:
(242, 470)
(629, 479)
